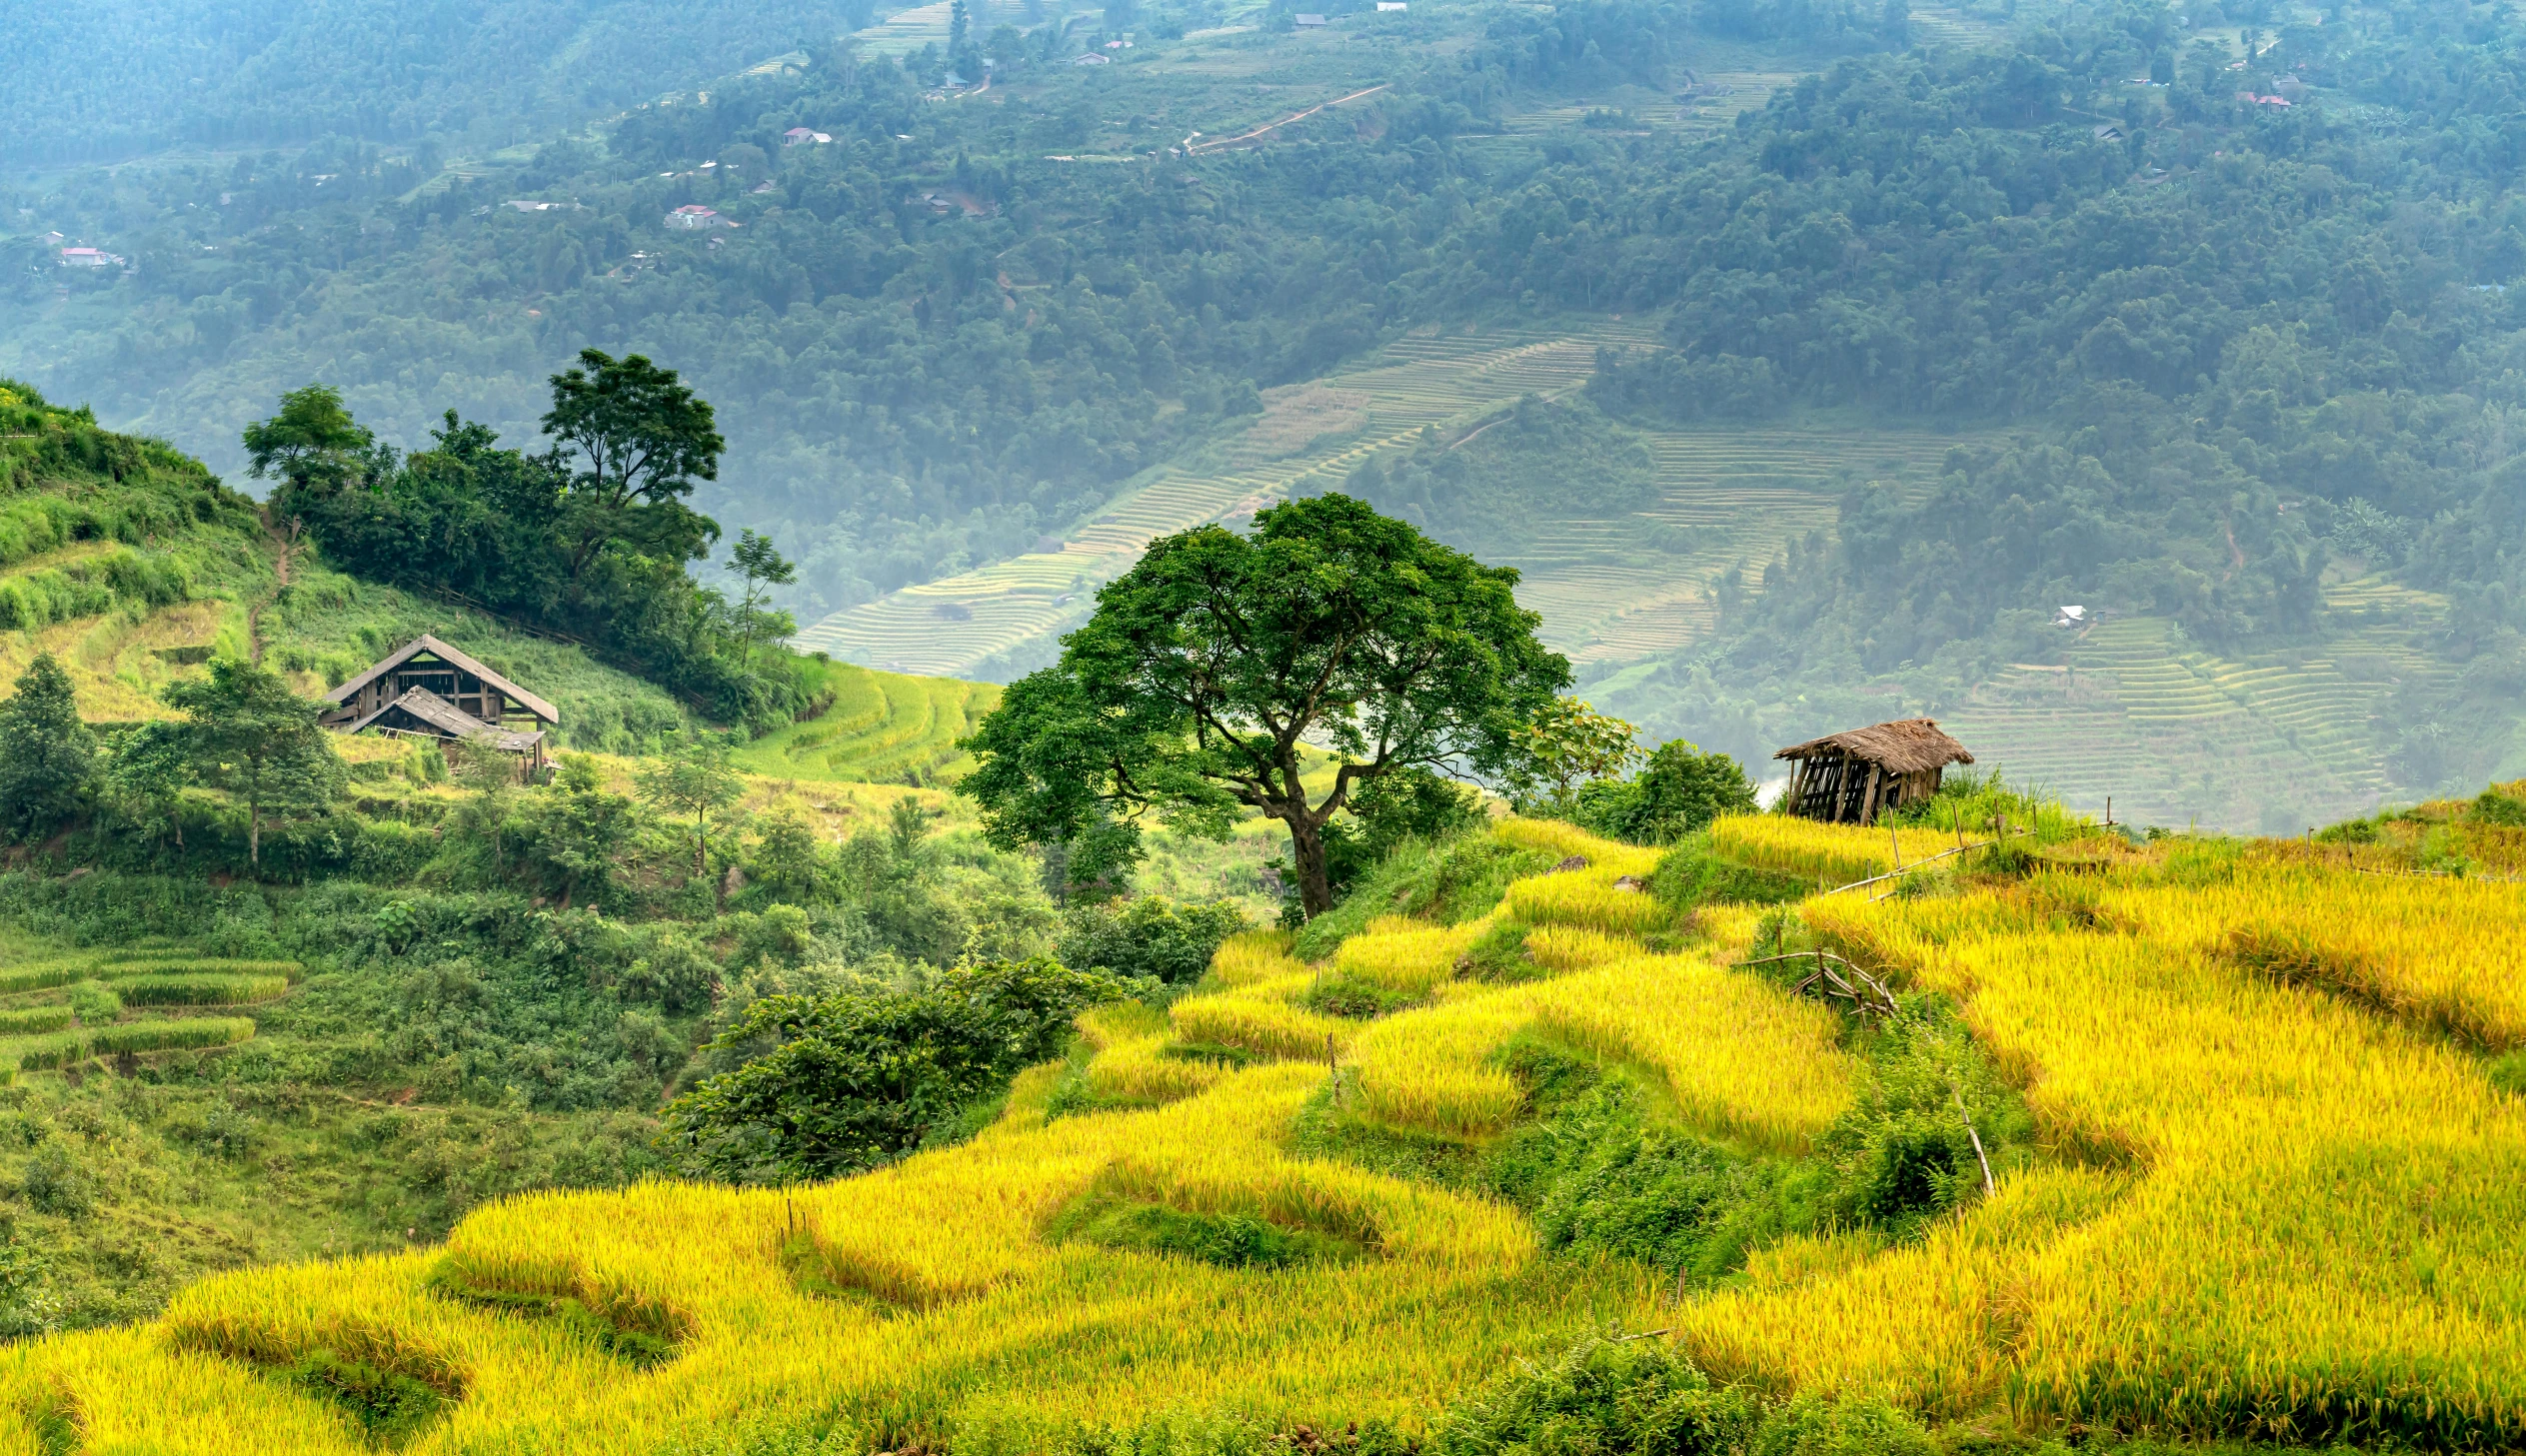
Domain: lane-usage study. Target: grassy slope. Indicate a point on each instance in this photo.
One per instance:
(131, 565)
(2192, 1119)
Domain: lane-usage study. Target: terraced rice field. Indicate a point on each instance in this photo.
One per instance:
(956, 626)
(1603, 595)
(881, 728)
(1749, 492)
(906, 31)
(2178, 735)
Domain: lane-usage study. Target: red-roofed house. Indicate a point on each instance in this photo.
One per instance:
(796, 136)
(695, 216)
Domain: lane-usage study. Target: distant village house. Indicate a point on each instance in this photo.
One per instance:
(88, 258)
(431, 689)
(694, 217)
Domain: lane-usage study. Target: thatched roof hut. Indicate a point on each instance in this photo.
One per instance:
(1846, 778)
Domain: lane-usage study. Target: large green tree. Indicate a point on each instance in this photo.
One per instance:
(47, 755)
(1213, 667)
(246, 733)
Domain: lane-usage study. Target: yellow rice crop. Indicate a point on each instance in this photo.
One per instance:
(1574, 947)
(1428, 1068)
(1738, 1055)
(2322, 1244)
(956, 1317)
(1132, 1072)
(2275, 1213)
(1588, 899)
(2439, 952)
(1607, 858)
(1831, 853)
(1260, 1019)
(1403, 954)
(1252, 956)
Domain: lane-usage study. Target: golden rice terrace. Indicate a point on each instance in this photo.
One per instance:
(2275, 1192)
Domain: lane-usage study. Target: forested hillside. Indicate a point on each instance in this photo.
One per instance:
(332, 1008)
(1929, 324)
(107, 82)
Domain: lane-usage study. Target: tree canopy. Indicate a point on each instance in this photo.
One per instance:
(1220, 669)
(47, 755)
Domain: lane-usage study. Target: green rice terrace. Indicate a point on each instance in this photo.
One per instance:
(874, 727)
(61, 1011)
(1608, 589)
(2174, 733)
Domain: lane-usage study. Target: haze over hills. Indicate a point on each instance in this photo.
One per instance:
(976, 945)
(2101, 325)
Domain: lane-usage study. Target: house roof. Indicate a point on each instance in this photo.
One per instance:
(1907, 746)
(431, 645)
(440, 714)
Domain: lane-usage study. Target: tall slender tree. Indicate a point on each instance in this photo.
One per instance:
(47, 755)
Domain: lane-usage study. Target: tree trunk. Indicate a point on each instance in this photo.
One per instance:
(1307, 855)
(254, 837)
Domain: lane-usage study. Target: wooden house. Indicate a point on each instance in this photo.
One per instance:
(435, 690)
(1846, 778)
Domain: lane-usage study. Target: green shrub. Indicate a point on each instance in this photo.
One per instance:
(1448, 881)
(857, 1080)
(95, 1004)
(1679, 792)
(2494, 807)
(1604, 1398)
(1150, 938)
(1228, 1240)
(54, 1183)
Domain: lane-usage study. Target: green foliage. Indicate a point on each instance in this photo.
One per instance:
(696, 780)
(1348, 995)
(1691, 876)
(1563, 748)
(858, 1078)
(1679, 792)
(1228, 1240)
(47, 755)
(590, 539)
(246, 732)
(1212, 659)
(1149, 937)
(1390, 810)
(2491, 807)
(1450, 880)
(1602, 1167)
(95, 1004)
(387, 1405)
(1608, 1396)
